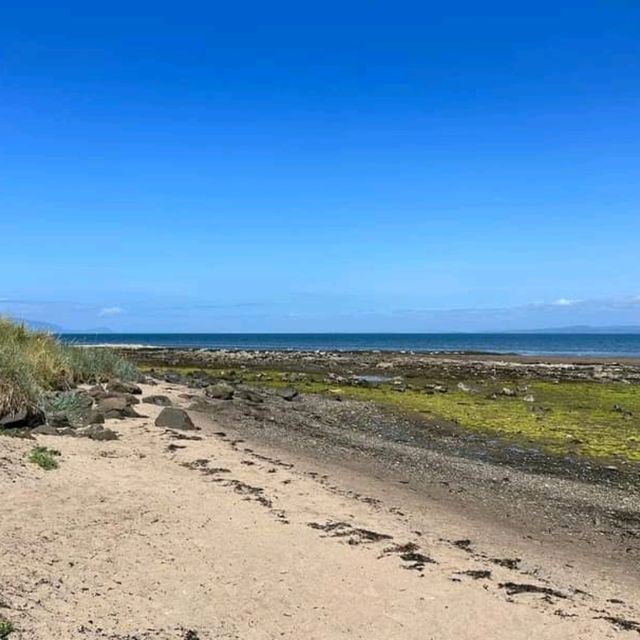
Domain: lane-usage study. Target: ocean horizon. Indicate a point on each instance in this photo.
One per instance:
(577, 344)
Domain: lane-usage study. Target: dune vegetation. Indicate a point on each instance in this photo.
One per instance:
(33, 363)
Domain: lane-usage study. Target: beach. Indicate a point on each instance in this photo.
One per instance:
(281, 513)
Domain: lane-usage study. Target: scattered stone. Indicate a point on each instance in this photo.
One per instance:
(45, 430)
(288, 393)
(508, 392)
(219, 391)
(119, 386)
(97, 432)
(174, 418)
(159, 401)
(117, 407)
(250, 395)
(97, 392)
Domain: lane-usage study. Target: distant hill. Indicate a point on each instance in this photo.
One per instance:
(37, 325)
(584, 329)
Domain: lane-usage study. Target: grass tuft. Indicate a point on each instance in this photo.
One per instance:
(44, 458)
(6, 629)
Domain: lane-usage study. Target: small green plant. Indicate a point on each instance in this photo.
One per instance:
(6, 629)
(45, 459)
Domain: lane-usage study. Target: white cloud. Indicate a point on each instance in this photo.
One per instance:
(564, 302)
(110, 311)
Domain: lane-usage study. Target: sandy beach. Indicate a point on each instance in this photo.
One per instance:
(221, 532)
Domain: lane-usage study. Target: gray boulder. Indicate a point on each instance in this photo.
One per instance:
(174, 418)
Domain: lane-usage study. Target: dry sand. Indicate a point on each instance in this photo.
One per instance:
(153, 536)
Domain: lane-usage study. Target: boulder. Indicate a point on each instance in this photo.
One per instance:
(159, 401)
(288, 393)
(27, 417)
(117, 407)
(174, 418)
(219, 391)
(119, 386)
(97, 392)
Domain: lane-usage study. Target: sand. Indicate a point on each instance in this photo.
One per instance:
(157, 536)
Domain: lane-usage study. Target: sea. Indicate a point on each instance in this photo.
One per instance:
(560, 344)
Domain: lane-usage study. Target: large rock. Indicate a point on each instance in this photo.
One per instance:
(174, 418)
(119, 386)
(27, 417)
(219, 391)
(159, 401)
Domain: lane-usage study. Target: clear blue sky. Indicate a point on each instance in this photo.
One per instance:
(353, 166)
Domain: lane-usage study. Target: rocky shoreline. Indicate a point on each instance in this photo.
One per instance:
(442, 365)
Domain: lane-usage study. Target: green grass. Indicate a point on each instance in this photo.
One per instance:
(6, 629)
(566, 418)
(44, 458)
(34, 362)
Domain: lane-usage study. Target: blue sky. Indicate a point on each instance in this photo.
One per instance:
(355, 166)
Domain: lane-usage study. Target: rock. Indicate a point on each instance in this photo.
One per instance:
(463, 387)
(159, 401)
(509, 393)
(119, 386)
(529, 398)
(219, 391)
(250, 395)
(288, 393)
(117, 407)
(27, 417)
(83, 399)
(97, 432)
(174, 418)
(97, 392)
(173, 378)
(94, 417)
(45, 430)
(59, 419)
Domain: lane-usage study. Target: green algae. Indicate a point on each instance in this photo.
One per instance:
(599, 421)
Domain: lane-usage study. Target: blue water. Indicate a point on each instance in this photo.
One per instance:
(527, 344)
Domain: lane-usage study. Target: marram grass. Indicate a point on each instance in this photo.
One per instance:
(34, 362)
